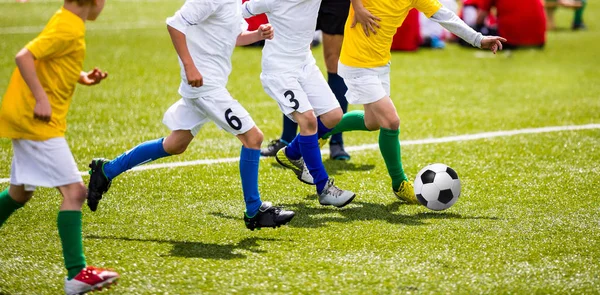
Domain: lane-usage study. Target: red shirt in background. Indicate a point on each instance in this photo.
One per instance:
(521, 22)
(255, 21)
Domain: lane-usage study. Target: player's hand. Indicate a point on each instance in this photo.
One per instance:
(42, 110)
(266, 31)
(193, 76)
(92, 77)
(366, 19)
(493, 43)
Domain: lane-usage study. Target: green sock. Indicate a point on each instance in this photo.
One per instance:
(69, 230)
(578, 19)
(389, 145)
(7, 206)
(351, 121)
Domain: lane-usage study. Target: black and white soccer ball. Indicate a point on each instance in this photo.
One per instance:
(437, 187)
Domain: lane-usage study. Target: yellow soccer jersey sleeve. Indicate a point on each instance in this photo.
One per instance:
(361, 51)
(59, 52)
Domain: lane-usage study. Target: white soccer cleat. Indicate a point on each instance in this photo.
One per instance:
(297, 166)
(90, 279)
(333, 195)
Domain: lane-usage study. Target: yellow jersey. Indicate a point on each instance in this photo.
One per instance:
(361, 51)
(59, 51)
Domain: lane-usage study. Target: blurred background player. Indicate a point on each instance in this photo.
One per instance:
(521, 22)
(365, 66)
(204, 34)
(33, 114)
(291, 77)
(578, 5)
(331, 19)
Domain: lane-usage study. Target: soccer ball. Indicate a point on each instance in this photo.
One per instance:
(437, 187)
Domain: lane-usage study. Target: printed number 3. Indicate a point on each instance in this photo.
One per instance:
(233, 121)
(292, 99)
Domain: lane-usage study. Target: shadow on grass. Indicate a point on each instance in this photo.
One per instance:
(198, 249)
(309, 216)
(4, 293)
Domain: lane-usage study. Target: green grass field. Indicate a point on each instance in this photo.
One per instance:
(527, 221)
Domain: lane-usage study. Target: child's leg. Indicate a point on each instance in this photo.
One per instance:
(306, 144)
(290, 129)
(249, 163)
(12, 199)
(69, 227)
(384, 113)
(148, 151)
(578, 18)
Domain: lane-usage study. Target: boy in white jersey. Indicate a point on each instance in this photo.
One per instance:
(291, 77)
(365, 66)
(204, 33)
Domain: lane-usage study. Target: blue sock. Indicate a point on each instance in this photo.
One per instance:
(292, 150)
(249, 160)
(141, 154)
(337, 85)
(322, 129)
(289, 130)
(309, 145)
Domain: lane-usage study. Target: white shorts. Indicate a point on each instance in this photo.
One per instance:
(219, 107)
(43, 163)
(300, 91)
(365, 85)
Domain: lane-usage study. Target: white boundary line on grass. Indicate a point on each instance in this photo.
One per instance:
(457, 138)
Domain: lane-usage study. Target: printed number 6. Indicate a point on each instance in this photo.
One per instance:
(292, 99)
(233, 121)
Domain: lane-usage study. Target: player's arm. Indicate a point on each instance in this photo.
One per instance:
(193, 76)
(454, 24)
(248, 37)
(25, 62)
(92, 77)
(255, 7)
(190, 14)
(363, 16)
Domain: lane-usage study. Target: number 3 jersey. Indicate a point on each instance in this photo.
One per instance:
(294, 22)
(211, 28)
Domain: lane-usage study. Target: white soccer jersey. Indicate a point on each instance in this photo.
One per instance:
(294, 22)
(211, 28)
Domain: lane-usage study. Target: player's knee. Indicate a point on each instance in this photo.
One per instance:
(252, 139)
(75, 194)
(392, 124)
(175, 148)
(332, 118)
(307, 122)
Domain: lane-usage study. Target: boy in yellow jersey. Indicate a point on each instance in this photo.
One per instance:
(365, 66)
(33, 115)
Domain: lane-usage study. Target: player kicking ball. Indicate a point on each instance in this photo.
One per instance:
(365, 66)
(291, 77)
(34, 115)
(204, 34)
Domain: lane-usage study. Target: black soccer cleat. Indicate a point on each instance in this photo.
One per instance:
(337, 152)
(99, 183)
(273, 147)
(268, 216)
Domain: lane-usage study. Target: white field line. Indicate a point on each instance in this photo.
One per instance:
(457, 138)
